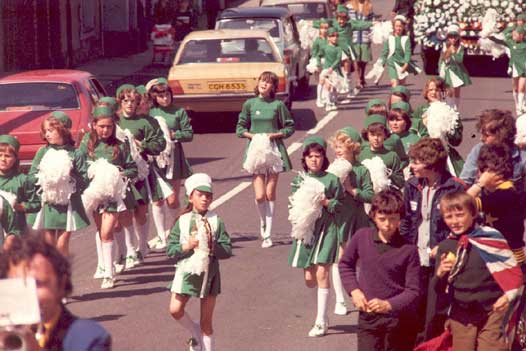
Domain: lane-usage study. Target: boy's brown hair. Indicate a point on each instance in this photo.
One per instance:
(496, 158)
(387, 202)
(375, 128)
(458, 201)
(499, 123)
(54, 123)
(431, 152)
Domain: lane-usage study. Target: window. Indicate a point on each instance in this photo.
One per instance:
(38, 96)
(270, 25)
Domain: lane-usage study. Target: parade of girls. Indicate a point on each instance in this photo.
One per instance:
(387, 214)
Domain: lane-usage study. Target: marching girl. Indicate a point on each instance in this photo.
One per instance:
(268, 115)
(331, 67)
(317, 54)
(172, 162)
(397, 54)
(316, 250)
(59, 172)
(101, 143)
(358, 189)
(148, 140)
(197, 241)
(451, 66)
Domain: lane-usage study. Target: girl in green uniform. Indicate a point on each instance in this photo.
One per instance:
(434, 90)
(172, 162)
(358, 189)
(451, 66)
(361, 42)
(198, 241)
(331, 72)
(149, 140)
(17, 194)
(266, 114)
(101, 142)
(316, 257)
(58, 220)
(318, 56)
(400, 124)
(397, 53)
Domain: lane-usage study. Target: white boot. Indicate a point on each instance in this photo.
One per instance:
(99, 272)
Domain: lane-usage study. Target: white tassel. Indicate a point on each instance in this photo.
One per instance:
(166, 157)
(336, 81)
(380, 32)
(494, 49)
(262, 156)
(379, 173)
(124, 135)
(441, 120)
(312, 66)
(305, 208)
(9, 197)
(199, 261)
(54, 177)
(341, 168)
(106, 185)
(376, 72)
(520, 137)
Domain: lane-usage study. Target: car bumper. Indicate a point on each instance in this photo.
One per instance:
(216, 102)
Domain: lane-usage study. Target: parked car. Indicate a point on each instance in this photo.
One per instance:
(27, 98)
(217, 70)
(306, 10)
(281, 26)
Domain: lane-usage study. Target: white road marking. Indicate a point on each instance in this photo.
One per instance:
(290, 150)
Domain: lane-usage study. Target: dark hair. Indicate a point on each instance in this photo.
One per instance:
(375, 128)
(316, 148)
(496, 158)
(387, 202)
(439, 82)
(26, 248)
(401, 95)
(54, 123)
(397, 113)
(458, 201)
(132, 93)
(271, 77)
(112, 140)
(156, 90)
(431, 152)
(499, 123)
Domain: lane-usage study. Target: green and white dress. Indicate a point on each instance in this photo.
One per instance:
(452, 70)
(260, 115)
(517, 55)
(8, 223)
(391, 161)
(208, 282)
(324, 248)
(396, 53)
(352, 216)
(409, 138)
(318, 50)
(148, 132)
(123, 161)
(18, 185)
(70, 217)
(345, 35)
(179, 125)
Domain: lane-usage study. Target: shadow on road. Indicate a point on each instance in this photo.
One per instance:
(199, 160)
(304, 119)
(342, 329)
(108, 317)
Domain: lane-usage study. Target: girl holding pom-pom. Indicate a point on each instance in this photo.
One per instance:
(101, 143)
(358, 190)
(62, 211)
(318, 56)
(197, 241)
(268, 115)
(317, 250)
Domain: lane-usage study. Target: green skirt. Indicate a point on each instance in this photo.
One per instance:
(203, 285)
(362, 52)
(393, 74)
(351, 217)
(69, 218)
(300, 253)
(325, 248)
(181, 168)
(456, 76)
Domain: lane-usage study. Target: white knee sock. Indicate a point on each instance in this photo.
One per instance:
(262, 210)
(192, 327)
(158, 216)
(142, 235)
(457, 103)
(515, 98)
(107, 253)
(121, 244)
(98, 244)
(319, 89)
(128, 239)
(269, 215)
(325, 95)
(520, 101)
(208, 342)
(323, 300)
(337, 283)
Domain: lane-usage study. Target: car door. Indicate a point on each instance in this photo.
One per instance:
(303, 56)
(291, 52)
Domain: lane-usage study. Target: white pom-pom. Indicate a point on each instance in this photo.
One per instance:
(9, 197)
(54, 177)
(379, 173)
(520, 137)
(307, 33)
(200, 259)
(380, 32)
(376, 72)
(312, 66)
(441, 120)
(165, 159)
(340, 167)
(489, 23)
(305, 208)
(262, 156)
(106, 185)
(125, 136)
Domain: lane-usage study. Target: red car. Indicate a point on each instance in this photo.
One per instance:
(27, 98)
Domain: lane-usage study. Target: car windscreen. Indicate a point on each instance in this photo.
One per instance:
(227, 50)
(37, 96)
(307, 11)
(268, 24)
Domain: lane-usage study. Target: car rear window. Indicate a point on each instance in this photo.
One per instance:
(307, 11)
(37, 96)
(227, 51)
(270, 25)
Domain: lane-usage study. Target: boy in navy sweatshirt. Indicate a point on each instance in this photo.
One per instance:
(388, 287)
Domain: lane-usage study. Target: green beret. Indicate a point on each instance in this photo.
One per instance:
(331, 30)
(10, 140)
(373, 102)
(314, 139)
(521, 17)
(103, 111)
(342, 9)
(402, 89)
(324, 21)
(375, 119)
(402, 105)
(352, 133)
(156, 81)
(124, 87)
(141, 89)
(520, 29)
(63, 118)
(109, 100)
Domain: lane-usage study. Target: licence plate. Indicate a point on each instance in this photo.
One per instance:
(230, 86)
